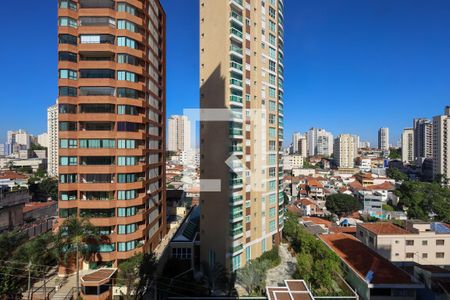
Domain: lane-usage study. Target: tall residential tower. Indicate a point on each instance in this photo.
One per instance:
(112, 121)
(383, 138)
(179, 134)
(52, 150)
(441, 144)
(241, 69)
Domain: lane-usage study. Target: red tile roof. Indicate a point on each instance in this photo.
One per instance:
(12, 175)
(382, 186)
(304, 201)
(362, 260)
(314, 182)
(384, 228)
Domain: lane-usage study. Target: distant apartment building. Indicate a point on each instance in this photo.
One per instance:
(292, 162)
(241, 71)
(112, 122)
(421, 242)
(364, 145)
(42, 139)
(299, 144)
(179, 134)
(2, 149)
(441, 144)
(52, 149)
(345, 150)
(320, 142)
(408, 145)
(18, 140)
(423, 138)
(11, 205)
(383, 138)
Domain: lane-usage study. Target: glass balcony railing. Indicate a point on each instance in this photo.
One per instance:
(238, 2)
(236, 32)
(236, 49)
(235, 98)
(236, 82)
(236, 181)
(236, 65)
(236, 16)
(234, 199)
(235, 216)
(237, 248)
(235, 131)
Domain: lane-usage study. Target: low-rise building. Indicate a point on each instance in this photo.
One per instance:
(372, 276)
(11, 205)
(419, 242)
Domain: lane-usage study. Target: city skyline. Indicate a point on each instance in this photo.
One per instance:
(314, 58)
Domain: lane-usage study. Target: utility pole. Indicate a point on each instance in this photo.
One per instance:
(29, 280)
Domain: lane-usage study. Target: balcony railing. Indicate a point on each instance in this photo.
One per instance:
(236, 32)
(236, 82)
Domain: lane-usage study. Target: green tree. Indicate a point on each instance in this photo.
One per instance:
(136, 274)
(252, 277)
(422, 199)
(396, 174)
(395, 153)
(342, 204)
(77, 238)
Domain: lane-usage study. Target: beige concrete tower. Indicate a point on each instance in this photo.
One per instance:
(241, 69)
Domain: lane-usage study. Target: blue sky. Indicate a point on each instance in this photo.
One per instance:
(350, 65)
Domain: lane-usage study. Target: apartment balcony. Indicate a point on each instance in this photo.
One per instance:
(236, 50)
(236, 83)
(236, 67)
(236, 133)
(236, 100)
(236, 200)
(236, 35)
(237, 4)
(235, 17)
(236, 150)
(236, 217)
(237, 249)
(237, 232)
(236, 183)
(138, 234)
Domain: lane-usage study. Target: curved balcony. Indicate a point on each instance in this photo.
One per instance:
(138, 234)
(128, 254)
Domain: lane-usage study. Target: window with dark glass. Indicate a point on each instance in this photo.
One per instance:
(129, 93)
(68, 39)
(128, 59)
(127, 126)
(96, 108)
(127, 110)
(97, 4)
(67, 56)
(67, 126)
(67, 108)
(67, 91)
(97, 126)
(97, 73)
(97, 160)
(97, 91)
(68, 4)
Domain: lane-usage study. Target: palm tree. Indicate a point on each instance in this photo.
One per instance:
(77, 236)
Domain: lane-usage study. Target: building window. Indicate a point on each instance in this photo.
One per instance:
(127, 76)
(440, 255)
(126, 195)
(440, 242)
(409, 255)
(236, 262)
(126, 144)
(68, 4)
(409, 242)
(68, 22)
(67, 126)
(67, 91)
(68, 74)
(126, 42)
(64, 144)
(126, 246)
(182, 253)
(126, 161)
(126, 229)
(126, 211)
(424, 255)
(424, 243)
(68, 39)
(67, 160)
(67, 56)
(248, 253)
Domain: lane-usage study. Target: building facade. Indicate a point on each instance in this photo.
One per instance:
(345, 150)
(423, 138)
(383, 138)
(179, 134)
(320, 142)
(408, 145)
(111, 113)
(52, 150)
(441, 142)
(241, 71)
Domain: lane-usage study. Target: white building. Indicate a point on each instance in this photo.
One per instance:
(320, 142)
(365, 164)
(42, 139)
(52, 148)
(441, 138)
(292, 162)
(19, 140)
(423, 138)
(179, 134)
(383, 138)
(408, 145)
(345, 150)
(299, 144)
